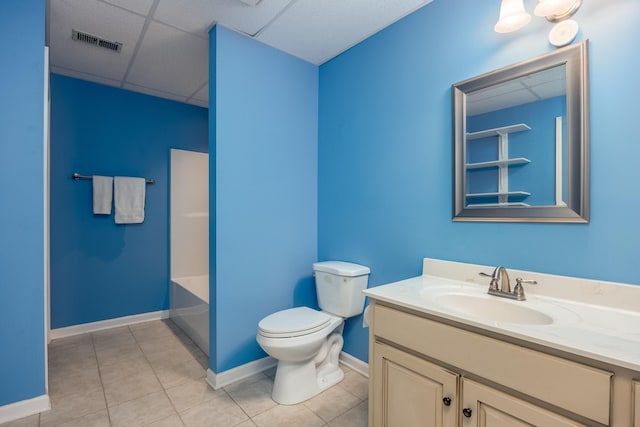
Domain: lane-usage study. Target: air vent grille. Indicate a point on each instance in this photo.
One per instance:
(96, 41)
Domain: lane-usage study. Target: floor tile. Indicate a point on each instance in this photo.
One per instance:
(152, 374)
(70, 381)
(120, 352)
(173, 372)
(288, 416)
(332, 402)
(141, 411)
(171, 421)
(253, 394)
(356, 384)
(118, 371)
(355, 417)
(190, 393)
(31, 421)
(69, 407)
(220, 411)
(131, 387)
(97, 419)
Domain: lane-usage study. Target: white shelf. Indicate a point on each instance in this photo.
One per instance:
(490, 205)
(497, 131)
(498, 163)
(499, 193)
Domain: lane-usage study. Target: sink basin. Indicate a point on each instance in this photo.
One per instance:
(493, 308)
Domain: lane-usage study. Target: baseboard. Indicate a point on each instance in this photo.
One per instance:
(107, 324)
(239, 372)
(354, 363)
(24, 408)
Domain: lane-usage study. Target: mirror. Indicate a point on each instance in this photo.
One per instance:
(521, 141)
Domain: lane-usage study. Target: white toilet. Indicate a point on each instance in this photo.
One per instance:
(307, 342)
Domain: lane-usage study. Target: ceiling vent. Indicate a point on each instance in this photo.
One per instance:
(96, 41)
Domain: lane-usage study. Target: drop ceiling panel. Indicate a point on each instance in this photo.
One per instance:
(171, 60)
(319, 30)
(202, 94)
(84, 76)
(197, 16)
(99, 19)
(139, 6)
(153, 92)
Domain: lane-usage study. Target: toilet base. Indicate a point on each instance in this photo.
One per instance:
(296, 382)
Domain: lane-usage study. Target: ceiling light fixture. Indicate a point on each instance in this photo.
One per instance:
(513, 16)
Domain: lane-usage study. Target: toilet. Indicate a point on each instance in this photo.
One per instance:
(307, 342)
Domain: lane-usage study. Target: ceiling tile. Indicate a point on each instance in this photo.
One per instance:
(83, 76)
(158, 93)
(319, 30)
(197, 102)
(197, 16)
(202, 94)
(170, 60)
(138, 6)
(99, 19)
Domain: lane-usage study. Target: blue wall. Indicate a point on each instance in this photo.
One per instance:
(22, 354)
(385, 150)
(100, 270)
(265, 144)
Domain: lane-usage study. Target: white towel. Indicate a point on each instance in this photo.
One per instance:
(102, 194)
(129, 199)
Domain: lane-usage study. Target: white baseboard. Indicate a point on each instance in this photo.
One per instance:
(24, 408)
(354, 363)
(107, 324)
(239, 372)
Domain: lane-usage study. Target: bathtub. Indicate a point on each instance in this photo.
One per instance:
(189, 308)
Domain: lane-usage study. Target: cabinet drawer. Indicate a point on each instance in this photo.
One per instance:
(578, 388)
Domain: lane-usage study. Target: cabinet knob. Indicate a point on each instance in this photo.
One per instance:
(446, 401)
(466, 412)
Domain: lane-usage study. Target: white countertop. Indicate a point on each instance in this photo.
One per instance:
(600, 332)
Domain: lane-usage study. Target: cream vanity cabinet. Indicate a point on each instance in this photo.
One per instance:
(427, 371)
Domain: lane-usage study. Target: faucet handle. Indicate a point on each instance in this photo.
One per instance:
(494, 279)
(519, 289)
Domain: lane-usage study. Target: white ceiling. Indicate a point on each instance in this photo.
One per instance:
(165, 43)
(523, 90)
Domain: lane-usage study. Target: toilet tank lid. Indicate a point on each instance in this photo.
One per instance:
(341, 268)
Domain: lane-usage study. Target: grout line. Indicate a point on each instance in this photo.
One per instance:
(164, 389)
(143, 33)
(104, 394)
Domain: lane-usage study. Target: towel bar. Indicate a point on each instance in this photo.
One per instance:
(76, 176)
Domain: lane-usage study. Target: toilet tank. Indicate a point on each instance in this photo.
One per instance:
(339, 286)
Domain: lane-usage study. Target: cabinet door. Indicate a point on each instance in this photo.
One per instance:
(636, 404)
(484, 406)
(410, 392)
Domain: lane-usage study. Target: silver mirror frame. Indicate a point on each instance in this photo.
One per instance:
(577, 208)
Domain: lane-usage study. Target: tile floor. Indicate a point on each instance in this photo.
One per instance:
(152, 374)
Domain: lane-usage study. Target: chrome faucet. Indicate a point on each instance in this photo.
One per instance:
(501, 287)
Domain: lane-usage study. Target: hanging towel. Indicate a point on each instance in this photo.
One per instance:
(102, 194)
(129, 199)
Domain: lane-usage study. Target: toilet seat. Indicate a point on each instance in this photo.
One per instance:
(294, 322)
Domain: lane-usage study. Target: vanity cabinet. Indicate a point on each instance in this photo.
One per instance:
(412, 392)
(417, 360)
(484, 406)
(636, 403)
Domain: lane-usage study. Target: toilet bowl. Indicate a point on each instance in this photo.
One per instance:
(307, 342)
